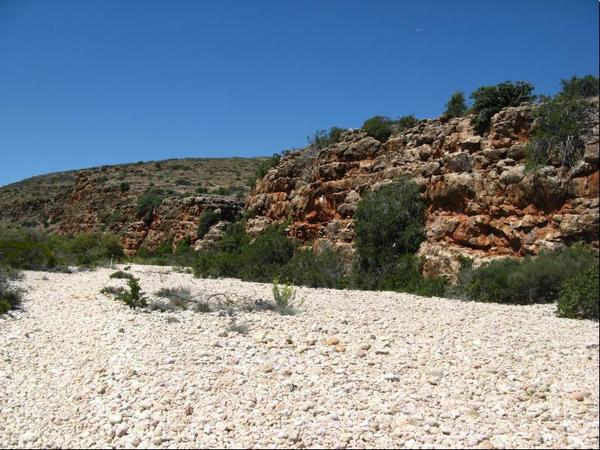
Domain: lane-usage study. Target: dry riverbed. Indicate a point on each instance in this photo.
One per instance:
(351, 369)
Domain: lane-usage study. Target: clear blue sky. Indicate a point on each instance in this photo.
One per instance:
(86, 83)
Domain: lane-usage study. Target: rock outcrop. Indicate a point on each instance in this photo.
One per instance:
(482, 201)
(176, 220)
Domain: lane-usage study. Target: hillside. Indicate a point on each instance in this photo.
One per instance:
(104, 198)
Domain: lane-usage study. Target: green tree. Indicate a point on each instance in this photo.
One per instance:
(488, 100)
(406, 122)
(389, 223)
(580, 87)
(457, 105)
(378, 127)
(556, 138)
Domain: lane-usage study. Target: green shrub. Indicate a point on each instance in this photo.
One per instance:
(457, 105)
(134, 298)
(579, 298)
(86, 249)
(378, 127)
(112, 290)
(314, 270)
(335, 134)
(124, 187)
(403, 275)
(488, 100)
(560, 124)
(221, 190)
(321, 138)
(121, 275)
(532, 280)
(208, 218)
(201, 190)
(406, 122)
(26, 250)
(9, 298)
(580, 87)
(389, 223)
(114, 217)
(161, 255)
(148, 202)
(263, 258)
(284, 296)
(215, 264)
(263, 168)
(234, 239)
(179, 298)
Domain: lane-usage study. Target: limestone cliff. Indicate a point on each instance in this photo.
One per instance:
(482, 202)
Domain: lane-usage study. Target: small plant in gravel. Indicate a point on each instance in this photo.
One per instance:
(179, 297)
(284, 296)
(9, 298)
(201, 307)
(121, 275)
(240, 328)
(134, 298)
(112, 290)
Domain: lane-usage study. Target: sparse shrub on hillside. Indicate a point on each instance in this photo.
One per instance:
(579, 297)
(532, 280)
(321, 138)
(201, 190)
(576, 87)
(388, 223)
(183, 182)
(406, 122)
(221, 190)
(124, 187)
(208, 218)
(560, 124)
(335, 134)
(488, 100)
(134, 298)
(457, 105)
(378, 127)
(115, 217)
(557, 137)
(148, 202)
(263, 168)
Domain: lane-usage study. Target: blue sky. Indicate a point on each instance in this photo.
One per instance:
(86, 83)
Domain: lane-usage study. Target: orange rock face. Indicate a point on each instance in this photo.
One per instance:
(483, 203)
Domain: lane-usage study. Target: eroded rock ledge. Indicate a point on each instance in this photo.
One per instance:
(483, 203)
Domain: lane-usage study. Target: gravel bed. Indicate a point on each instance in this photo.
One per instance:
(352, 369)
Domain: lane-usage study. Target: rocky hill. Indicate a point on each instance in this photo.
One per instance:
(105, 198)
(482, 201)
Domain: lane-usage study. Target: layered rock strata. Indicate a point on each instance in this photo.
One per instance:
(482, 200)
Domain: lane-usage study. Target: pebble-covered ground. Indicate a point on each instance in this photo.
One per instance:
(351, 369)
